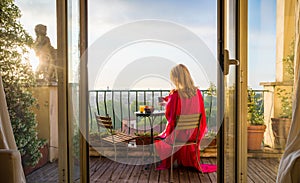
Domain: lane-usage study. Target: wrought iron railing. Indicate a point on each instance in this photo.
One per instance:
(121, 105)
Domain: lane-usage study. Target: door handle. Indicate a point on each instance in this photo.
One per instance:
(228, 62)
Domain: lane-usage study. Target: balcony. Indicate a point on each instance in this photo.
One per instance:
(121, 105)
(105, 170)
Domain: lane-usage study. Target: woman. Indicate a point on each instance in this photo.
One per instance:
(184, 99)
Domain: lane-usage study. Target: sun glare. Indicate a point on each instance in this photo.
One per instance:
(34, 61)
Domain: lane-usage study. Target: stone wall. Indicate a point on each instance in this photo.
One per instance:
(285, 37)
(47, 117)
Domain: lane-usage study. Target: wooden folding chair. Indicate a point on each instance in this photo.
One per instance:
(113, 137)
(185, 122)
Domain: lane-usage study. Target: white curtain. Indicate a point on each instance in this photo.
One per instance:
(7, 140)
(289, 167)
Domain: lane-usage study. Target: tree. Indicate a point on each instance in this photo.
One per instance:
(18, 77)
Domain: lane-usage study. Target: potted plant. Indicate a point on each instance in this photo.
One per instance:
(281, 124)
(255, 117)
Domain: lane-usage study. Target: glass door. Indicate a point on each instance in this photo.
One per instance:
(232, 48)
(132, 46)
(72, 104)
(126, 37)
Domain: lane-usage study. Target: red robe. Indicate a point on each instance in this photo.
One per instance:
(185, 156)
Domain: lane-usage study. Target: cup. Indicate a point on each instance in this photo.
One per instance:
(142, 108)
(161, 99)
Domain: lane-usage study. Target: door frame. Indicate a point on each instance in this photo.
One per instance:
(62, 62)
(241, 87)
(65, 131)
(83, 93)
(241, 19)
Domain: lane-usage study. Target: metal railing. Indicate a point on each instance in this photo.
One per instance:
(121, 105)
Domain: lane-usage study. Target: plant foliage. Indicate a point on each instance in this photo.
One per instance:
(210, 104)
(284, 95)
(255, 108)
(286, 103)
(289, 62)
(18, 77)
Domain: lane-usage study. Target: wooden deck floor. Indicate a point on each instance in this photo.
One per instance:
(106, 170)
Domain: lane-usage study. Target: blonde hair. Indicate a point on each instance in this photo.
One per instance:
(183, 81)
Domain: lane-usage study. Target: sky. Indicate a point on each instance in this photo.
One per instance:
(261, 42)
(128, 55)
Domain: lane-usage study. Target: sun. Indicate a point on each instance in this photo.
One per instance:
(31, 58)
(34, 61)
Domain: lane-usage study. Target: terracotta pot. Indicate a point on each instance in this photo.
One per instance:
(255, 136)
(280, 128)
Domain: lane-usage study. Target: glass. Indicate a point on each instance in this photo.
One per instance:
(142, 108)
(161, 99)
(229, 126)
(73, 91)
(269, 39)
(129, 61)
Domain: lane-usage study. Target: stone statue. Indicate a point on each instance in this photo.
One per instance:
(46, 70)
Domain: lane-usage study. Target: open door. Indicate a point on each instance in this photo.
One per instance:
(72, 91)
(232, 95)
(232, 152)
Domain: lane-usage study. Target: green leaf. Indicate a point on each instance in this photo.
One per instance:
(17, 78)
